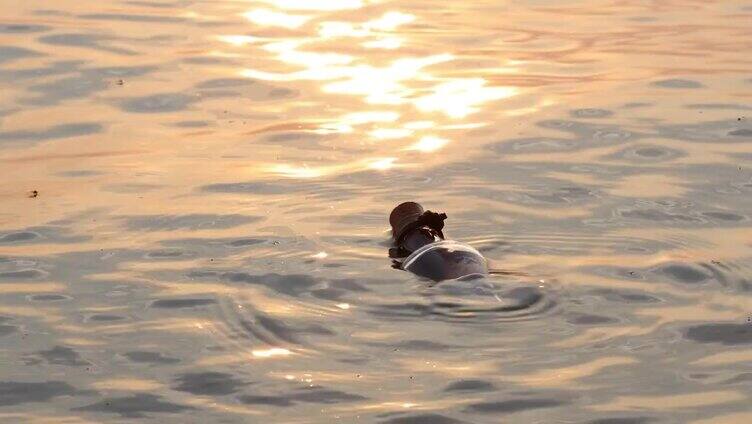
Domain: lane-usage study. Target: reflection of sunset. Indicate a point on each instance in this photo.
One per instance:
(317, 5)
(267, 17)
(306, 172)
(287, 51)
(406, 83)
(268, 353)
(390, 21)
(382, 164)
(389, 133)
(297, 172)
(429, 144)
(383, 85)
(387, 43)
(461, 97)
(238, 40)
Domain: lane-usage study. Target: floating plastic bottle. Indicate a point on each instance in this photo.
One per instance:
(420, 246)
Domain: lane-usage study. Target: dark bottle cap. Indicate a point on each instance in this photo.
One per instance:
(404, 217)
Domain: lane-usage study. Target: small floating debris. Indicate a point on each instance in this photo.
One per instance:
(33, 194)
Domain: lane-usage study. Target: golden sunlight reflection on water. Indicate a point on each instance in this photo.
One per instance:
(404, 83)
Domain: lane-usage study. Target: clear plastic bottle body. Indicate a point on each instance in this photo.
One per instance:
(445, 260)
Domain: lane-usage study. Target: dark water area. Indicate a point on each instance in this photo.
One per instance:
(194, 205)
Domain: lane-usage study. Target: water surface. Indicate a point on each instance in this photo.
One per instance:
(207, 239)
